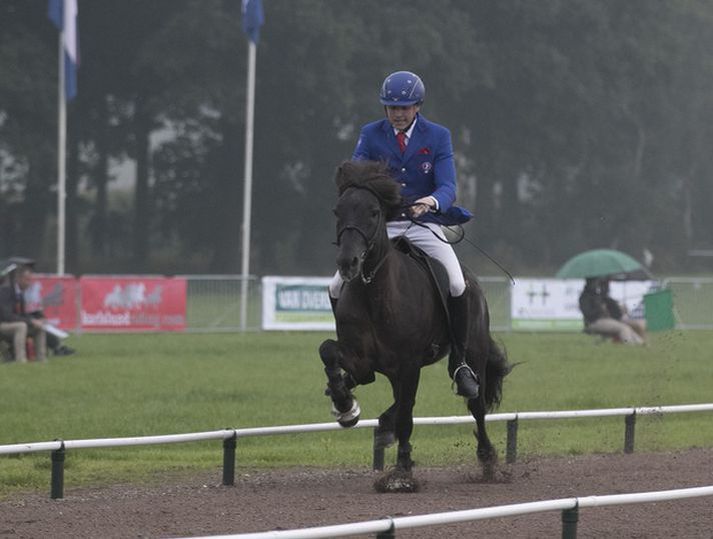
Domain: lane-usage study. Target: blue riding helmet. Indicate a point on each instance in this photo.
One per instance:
(402, 89)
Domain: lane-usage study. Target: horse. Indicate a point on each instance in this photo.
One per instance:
(391, 319)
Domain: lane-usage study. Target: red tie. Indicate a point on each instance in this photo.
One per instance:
(401, 139)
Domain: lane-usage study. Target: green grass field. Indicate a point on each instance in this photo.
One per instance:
(134, 385)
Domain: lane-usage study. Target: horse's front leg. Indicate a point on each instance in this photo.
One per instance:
(345, 407)
(401, 479)
(405, 401)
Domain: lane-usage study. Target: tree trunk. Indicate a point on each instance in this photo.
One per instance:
(142, 202)
(228, 203)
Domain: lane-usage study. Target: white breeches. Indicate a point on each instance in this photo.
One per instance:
(423, 238)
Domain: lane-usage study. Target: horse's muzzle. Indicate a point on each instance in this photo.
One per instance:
(349, 266)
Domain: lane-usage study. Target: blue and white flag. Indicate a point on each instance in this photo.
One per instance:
(253, 19)
(63, 14)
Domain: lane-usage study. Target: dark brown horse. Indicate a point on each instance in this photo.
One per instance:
(391, 320)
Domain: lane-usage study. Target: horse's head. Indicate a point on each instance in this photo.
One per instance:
(368, 198)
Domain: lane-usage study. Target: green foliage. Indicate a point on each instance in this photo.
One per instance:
(580, 120)
(137, 385)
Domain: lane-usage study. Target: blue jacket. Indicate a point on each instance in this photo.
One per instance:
(425, 168)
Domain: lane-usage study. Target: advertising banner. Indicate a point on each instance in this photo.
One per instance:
(57, 297)
(553, 304)
(133, 303)
(296, 303)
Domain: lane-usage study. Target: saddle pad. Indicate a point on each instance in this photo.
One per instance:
(433, 267)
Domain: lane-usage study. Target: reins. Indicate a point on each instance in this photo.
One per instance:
(370, 241)
(461, 238)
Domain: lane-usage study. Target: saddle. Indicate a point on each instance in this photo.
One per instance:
(435, 270)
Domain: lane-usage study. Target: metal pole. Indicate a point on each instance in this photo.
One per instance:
(61, 158)
(248, 186)
(569, 523)
(629, 430)
(378, 462)
(57, 485)
(229, 445)
(511, 453)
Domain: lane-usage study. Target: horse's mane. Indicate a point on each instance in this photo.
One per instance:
(374, 176)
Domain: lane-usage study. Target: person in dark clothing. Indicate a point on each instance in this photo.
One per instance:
(15, 323)
(9, 274)
(619, 312)
(598, 320)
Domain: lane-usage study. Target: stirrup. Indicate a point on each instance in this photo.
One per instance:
(476, 380)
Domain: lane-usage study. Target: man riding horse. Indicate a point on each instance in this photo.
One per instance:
(420, 156)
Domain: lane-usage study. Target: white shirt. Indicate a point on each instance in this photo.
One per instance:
(408, 132)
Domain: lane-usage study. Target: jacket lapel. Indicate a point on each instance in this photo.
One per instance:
(416, 140)
(391, 141)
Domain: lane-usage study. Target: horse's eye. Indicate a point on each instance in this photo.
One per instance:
(374, 213)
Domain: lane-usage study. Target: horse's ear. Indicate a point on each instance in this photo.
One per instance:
(342, 175)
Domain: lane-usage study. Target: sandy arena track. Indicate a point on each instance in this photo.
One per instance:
(268, 500)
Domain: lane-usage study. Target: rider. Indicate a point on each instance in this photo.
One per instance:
(420, 155)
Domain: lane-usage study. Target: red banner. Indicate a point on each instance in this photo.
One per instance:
(57, 297)
(133, 303)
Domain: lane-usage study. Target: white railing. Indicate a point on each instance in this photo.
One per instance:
(386, 527)
(231, 435)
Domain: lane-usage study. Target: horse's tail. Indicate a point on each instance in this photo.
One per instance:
(497, 367)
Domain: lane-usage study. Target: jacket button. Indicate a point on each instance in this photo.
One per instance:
(403, 185)
(403, 170)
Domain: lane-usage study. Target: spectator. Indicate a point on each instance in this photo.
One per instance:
(597, 318)
(15, 323)
(54, 343)
(619, 312)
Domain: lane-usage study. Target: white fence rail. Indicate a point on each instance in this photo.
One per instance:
(230, 436)
(386, 527)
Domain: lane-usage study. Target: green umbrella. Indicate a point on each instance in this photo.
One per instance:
(603, 263)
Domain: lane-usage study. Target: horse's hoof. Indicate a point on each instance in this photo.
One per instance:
(350, 417)
(397, 481)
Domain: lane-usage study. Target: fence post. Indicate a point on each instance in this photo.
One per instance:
(229, 445)
(378, 461)
(630, 424)
(388, 534)
(511, 453)
(57, 484)
(569, 522)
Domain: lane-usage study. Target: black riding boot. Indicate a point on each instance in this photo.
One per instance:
(463, 376)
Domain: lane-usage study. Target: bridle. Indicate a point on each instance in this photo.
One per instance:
(369, 240)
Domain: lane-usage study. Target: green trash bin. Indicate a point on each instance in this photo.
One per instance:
(658, 309)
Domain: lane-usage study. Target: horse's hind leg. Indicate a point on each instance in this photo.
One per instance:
(385, 436)
(486, 452)
(345, 407)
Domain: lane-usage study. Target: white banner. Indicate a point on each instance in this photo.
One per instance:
(553, 304)
(300, 303)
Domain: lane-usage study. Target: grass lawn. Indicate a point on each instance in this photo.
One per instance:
(135, 385)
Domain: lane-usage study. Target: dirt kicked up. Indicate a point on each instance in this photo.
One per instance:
(262, 500)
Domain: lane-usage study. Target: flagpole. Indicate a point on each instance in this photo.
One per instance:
(248, 185)
(61, 158)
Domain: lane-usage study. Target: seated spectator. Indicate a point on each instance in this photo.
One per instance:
(54, 343)
(619, 312)
(597, 318)
(15, 323)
